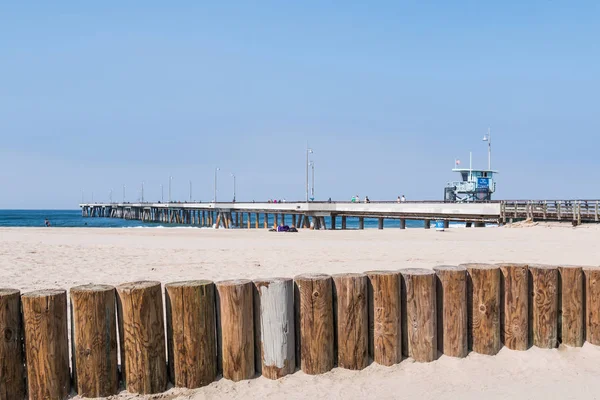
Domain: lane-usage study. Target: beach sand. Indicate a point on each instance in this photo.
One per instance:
(33, 258)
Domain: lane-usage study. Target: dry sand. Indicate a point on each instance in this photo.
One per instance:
(32, 258)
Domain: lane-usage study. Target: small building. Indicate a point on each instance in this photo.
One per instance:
(475, 185)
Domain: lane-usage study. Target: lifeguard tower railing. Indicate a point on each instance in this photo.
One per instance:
(578, 211)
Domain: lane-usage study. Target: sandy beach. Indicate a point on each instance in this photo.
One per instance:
(32, 258)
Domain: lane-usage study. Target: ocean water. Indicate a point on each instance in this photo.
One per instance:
(73, 218)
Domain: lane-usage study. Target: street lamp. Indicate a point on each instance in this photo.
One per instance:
(488, 138)
(233, 176)
(312, 189)
(124, 193)
(308, 151)
(216, 170)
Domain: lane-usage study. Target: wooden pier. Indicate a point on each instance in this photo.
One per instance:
(313, 214)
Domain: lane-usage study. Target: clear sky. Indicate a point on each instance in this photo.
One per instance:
(94, 95)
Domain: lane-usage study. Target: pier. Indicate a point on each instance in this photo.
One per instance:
(313, 214)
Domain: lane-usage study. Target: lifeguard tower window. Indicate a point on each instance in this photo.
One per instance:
(465, 176)
(485, 174)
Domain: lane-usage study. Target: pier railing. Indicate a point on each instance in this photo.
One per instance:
(241, 329)
(578, 211)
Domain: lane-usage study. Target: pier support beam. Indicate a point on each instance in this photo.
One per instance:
(361, 222)
(333, 218)
(380, 223)
(402, 224)
(266, 221)
(343, 222)
(427, 224)
(446, 224)
(468, 224)
(256, 220)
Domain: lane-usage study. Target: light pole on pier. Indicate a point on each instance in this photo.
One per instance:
(488, 138)
(215, 198)
(142, 191)
(312, 188)
(190, 191)
(308, 151)
(170, 180)
(162, 194)
(233, 176)
(124, 193)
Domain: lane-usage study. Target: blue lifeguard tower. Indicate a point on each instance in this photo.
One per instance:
(476, 185)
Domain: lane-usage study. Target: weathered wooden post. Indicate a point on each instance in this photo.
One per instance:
(314, 325)
(385, 341)
(544, 304)
(427, 224)
(361, 223)
(46, 344)
(191, 333)
(256, 220)
(571, 325)
(452, 310)
(352, 320)
(275, 329)
(94, 340)
(142, 337)
(12, 381)
(236, 328)
(421, 321)
(402, 224)
(514, 313)
(343, 222)
(483, 297)
(592, 303)
(379, 223)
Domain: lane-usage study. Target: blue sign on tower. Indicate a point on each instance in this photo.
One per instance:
(483, 182)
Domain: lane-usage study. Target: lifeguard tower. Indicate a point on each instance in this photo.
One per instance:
(476, 184)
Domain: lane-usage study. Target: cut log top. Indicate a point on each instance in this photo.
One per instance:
(45, 293)
(8, 292)
(449, 268)
(542, 266)
(382, 273)
(478, 266)
(92, 288)
(312, 277)
(510, 265)
(585, 268)
(416, 271)
(201, 282)
(139, 285)
(259, 282)
(233, 282)
(348, 275)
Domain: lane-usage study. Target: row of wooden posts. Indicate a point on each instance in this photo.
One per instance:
(239, 328)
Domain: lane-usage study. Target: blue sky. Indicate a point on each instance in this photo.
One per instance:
(94, 96)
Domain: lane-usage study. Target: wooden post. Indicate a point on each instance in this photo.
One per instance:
(275, 330)
(236, 329)
(314, 327)
(446, 224)
(402, 224)
(483, 298)
(249, 220)
(570, 306)
(266, 221)
(380, 223)
(191, 333)
(333, 221)
(451, 301)
(94, 340)
(343, 222)
(256, 220)
(142, 337)
(384, 317)
(514, 319)
(46, 344)
(276, 221)
(427, 224)
(421, 321)
(352, 320)
(12, 381)
(361, 222)
(282, 219)
(544, 304)
(592, 305)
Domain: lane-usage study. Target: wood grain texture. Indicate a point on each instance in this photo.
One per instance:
(352, 320)
(236, 328)
(142, 337)
(421, 318)
(385, 338)
(515, 306)
(275, 328)
(314, 310)
(592, 305)
(46, 344)
(544, 303)
(483, 298)
(191, 333)
(94, 340)
(571, 320)
(452, 310)
(12, 376)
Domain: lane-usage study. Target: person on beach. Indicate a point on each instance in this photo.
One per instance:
(47, 222)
